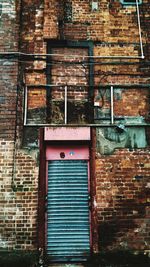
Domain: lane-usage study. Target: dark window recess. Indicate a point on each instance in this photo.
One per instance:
(0, 10)
(68, 11)
(130, 2)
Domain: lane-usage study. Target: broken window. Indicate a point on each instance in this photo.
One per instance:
(35, 105)
(127, 110)
(115, 104)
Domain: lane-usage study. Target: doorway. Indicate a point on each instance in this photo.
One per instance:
(68, 215)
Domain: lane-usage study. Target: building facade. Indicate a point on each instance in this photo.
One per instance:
(74, 127)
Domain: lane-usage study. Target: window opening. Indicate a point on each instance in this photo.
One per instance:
(69, 109)
(131, 2)
(110, 108)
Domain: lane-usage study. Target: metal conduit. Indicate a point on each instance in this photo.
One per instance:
(138, 86)
(66, 104)
(112, 104)
(139, 26)
(70, 56)
(86, 125)
(25, 106)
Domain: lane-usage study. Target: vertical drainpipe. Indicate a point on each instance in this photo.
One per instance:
(41, 227)
(18, 16)
(94, 224)
(139, 26)
(65, 104)
(48, 89)
(112, 104)
(91, 83)
(25, 104)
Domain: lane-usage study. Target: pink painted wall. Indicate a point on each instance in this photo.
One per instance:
(67, 152)
(67, 133)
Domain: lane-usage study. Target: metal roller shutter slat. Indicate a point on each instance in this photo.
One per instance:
(67, 209)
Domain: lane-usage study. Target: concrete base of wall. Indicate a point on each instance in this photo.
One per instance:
(66, 265)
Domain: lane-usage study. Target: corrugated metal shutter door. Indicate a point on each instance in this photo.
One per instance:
(68, 230)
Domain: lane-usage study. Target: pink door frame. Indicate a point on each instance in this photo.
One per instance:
(71, 152)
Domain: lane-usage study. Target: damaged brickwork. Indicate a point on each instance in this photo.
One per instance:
(32, 95)
(122, 197)
(18, 169)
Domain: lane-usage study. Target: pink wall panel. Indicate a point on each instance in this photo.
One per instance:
(67, 133)
(67, 152)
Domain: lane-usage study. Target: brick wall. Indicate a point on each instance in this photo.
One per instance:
(122, 184)
(18, 183)
(50, 21)
(8, 68)
(18, 170)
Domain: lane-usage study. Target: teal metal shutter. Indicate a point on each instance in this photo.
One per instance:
(68, 230)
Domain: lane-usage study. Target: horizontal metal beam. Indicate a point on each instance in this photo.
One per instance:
(120, 86)
(35, 56)
(88, 125)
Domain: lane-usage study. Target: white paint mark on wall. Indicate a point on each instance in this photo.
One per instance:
(7, 8)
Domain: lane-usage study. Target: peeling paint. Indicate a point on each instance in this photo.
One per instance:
(108, 139)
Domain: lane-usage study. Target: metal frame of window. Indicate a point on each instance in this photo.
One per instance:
(112, 122)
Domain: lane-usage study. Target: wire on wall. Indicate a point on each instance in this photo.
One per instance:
(139, 26)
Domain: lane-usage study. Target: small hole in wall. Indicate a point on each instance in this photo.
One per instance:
(62, 155)
(138, 177)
